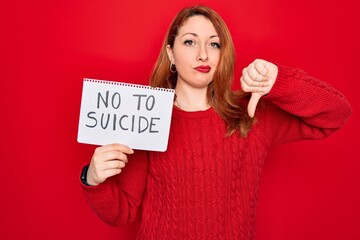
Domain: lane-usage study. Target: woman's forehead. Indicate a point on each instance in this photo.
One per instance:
(199, 25)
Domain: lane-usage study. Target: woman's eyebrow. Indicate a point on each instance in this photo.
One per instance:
(195, 35)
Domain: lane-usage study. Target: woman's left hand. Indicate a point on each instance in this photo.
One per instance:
(258, 79)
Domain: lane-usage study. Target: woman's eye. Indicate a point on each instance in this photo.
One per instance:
(215, 45)
(189, 42)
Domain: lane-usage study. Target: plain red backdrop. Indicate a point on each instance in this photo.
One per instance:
(309, 190)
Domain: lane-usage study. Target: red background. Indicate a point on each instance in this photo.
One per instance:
(310, 190)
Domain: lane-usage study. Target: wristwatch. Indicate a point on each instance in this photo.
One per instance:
(84, 175)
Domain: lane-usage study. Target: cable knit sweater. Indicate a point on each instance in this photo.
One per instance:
(205, 185)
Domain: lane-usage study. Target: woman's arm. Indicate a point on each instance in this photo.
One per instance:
(301, 107)
(116, 200)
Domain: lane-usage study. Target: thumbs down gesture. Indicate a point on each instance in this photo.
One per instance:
(258, 79)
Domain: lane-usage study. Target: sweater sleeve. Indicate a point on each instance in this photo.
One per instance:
(116, 200)
(301, 107)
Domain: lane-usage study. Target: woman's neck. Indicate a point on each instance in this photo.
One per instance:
(191, 99)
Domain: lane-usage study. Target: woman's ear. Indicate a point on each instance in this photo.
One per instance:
(170, 54)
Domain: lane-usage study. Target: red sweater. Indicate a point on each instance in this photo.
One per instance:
(205, 185)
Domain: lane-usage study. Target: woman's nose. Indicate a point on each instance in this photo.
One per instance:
(202, 55)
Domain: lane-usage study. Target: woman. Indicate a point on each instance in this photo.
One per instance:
(205, 185)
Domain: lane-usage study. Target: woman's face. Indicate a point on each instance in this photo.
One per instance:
(196, 52)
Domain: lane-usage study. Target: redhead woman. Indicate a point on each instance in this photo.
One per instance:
(205, 185)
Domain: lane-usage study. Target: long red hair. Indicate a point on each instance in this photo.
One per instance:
(220, 96)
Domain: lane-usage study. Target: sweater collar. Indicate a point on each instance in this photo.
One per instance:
(179, 113)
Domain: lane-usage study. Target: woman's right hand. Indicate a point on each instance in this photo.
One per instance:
(107, 161)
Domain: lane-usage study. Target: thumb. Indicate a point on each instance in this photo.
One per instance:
(255, 97)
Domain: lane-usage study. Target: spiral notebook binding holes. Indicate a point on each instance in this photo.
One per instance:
(128, 85)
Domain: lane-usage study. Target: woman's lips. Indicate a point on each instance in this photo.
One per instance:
(203, 69)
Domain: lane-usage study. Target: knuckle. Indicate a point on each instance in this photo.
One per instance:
(95, 159)
(113, 155)
(121, 164)
(113, 145)
(244, 71)
(97, 150)
(253, 75)
(120, 155)
(243, 85)
(246, 78)
(245, 88)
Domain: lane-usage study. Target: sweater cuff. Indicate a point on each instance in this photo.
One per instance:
(94, 191)
(282, 82)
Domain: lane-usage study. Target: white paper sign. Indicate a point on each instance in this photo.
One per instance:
(135, 115)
